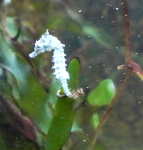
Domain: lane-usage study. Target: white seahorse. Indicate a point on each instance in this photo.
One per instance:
(47, 43)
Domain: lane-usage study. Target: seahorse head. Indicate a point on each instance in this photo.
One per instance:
(42, 45)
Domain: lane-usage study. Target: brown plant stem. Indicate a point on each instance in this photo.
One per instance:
(127, 31)
(107, 112)
(130, 64)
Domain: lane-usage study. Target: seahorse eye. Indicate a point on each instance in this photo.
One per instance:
(46, 46)
(38, 47)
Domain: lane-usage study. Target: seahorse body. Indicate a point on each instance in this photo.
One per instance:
(47, 43)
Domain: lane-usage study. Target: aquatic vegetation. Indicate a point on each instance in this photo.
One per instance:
(66, 108)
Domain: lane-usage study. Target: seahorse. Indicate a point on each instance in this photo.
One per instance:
(47, 43)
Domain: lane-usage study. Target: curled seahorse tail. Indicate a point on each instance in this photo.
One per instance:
(66, 89)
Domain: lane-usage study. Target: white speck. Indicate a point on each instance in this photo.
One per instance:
(79, 10)
(116, 47)
(89, 66)
(102, 17)
(139, 102)
(138, 35)
(117, 8)
(136, 53)
(84, 140)
(69, 11)
(113, 21)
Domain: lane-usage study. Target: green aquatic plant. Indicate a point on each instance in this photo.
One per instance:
(43, 128)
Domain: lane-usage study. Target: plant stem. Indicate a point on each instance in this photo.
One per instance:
(107, 112)
(127, 31)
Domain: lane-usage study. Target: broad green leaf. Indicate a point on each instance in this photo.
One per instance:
(32, 97)
(62, 122)
(11, 26)
(74, 69)
(13, 84)
(103, 94)
(54, 87)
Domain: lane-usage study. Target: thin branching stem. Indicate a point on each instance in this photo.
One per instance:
(125, 81)
(107, 112)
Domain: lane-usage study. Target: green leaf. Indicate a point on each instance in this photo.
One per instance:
(11, 26)
(62, 122)
(54, 87)
(103, 94)
(95, 34)
(95, 120)
(74, 69)
(32, 97)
